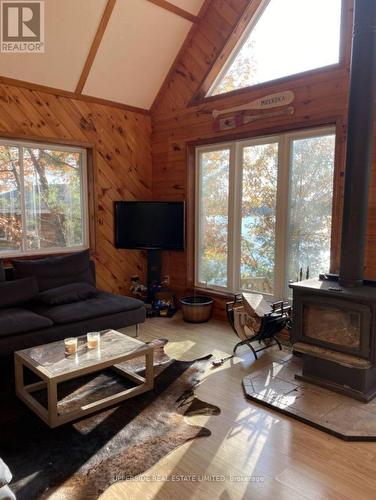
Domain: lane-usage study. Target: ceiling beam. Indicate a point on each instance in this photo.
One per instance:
(70, 95)
(205, 6)
(95, 45)
(175, 10)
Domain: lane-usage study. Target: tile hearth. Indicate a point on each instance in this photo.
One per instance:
(275, 386)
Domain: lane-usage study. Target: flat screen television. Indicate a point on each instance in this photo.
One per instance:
(150, 225)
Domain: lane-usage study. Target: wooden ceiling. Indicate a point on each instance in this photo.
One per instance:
(114, 50)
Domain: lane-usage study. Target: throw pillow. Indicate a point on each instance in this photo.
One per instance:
(67, 294)
(15, 292)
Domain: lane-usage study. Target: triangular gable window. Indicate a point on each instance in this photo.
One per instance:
(284, 38)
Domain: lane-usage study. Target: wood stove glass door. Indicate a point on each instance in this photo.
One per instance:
(337, 324)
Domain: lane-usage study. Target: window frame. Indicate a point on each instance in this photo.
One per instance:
(228, 55)
(198, 153)
(21, 145)
(235, 51)
(284, 140)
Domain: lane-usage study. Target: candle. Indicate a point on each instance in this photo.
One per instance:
(93, 340)
(70, 345)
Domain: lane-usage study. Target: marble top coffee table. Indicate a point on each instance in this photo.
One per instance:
(52, 366)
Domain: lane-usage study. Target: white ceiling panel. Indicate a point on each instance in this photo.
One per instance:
(136, 53)
(192, 6)
(70, 27)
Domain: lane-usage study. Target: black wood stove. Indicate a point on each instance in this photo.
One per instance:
(334, 317)
(334, 329)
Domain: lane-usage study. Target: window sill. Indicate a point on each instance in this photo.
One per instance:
(268, 86)
(216, 294)
(41, 253)
(228, 296)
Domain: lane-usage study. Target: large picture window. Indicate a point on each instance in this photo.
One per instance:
(263, 211)
(284, 38)
(43, 198)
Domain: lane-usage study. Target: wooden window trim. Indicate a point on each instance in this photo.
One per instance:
(338, 188)
(90, 184)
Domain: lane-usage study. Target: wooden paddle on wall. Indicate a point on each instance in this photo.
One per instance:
(241, 119)
(267, 102)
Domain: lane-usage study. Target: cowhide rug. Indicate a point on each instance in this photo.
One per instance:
(81, 460)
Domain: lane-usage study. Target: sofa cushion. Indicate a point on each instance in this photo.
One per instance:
(102, 305)
(13, 293)
(18, 320)
(56, 271)
(2, 271)
(5, 475)
(67, 294)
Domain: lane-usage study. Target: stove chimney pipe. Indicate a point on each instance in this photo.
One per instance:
(359, 144)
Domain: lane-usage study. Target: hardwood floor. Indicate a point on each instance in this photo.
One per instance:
(285, 458)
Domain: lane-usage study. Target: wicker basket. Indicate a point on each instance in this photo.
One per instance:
(196, 309)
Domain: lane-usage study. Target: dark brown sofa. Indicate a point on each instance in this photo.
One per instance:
(54, 298)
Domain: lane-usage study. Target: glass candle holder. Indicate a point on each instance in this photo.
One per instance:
(70, 345)
(93, 340)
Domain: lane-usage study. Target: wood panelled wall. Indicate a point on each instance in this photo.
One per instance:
(321, 98)
(120, 142)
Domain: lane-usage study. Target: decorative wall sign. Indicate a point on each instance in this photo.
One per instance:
(266, 102)
(241, 119)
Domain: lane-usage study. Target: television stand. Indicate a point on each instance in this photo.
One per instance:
(154, 269)
(159, 301)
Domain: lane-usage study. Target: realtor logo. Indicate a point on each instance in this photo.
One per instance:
(22, 26)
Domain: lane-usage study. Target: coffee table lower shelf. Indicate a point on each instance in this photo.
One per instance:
(50, 414)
